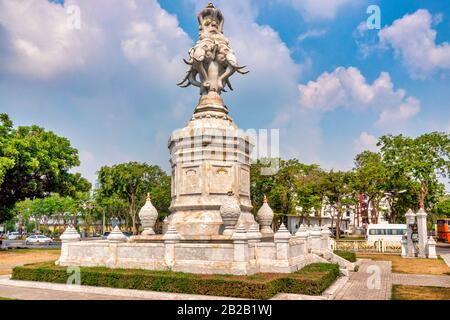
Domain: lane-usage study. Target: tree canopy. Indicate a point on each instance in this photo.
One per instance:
(33, 164)
(130, 182)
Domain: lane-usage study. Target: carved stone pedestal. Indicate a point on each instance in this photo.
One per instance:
(209, 158)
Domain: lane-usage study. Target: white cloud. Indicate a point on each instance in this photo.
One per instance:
(365, 142)
(313, 33)
(414, 41)
(318, 9)
(348, 88)
(39, 42)
(393, 117)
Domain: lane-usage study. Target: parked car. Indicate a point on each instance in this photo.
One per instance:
(13, 236)
(37, 239)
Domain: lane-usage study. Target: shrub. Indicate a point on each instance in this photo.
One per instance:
(347, 255)
(311, 280)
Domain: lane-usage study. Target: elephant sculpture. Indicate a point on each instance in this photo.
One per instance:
(211, 61)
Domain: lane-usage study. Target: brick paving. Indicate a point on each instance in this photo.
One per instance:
(371, 282)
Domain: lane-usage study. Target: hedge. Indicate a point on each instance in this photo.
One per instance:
(311, 280)
(347, 255)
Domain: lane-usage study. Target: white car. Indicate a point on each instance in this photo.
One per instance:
(36, 239)
(13, 236)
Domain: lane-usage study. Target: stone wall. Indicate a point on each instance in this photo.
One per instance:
(241, 254)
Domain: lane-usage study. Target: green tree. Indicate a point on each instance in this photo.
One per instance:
(422, 159)
(370, 179)
(442, 208)
(338, 186)
(33, 164)
(130, 182)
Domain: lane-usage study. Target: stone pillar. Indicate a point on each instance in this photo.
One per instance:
(302, 235)
(241, 255)
(69, 235)
(431, 248)
(281, 239)
(421, 216)
(325, 238)
(410, 250)
(253, 235)
(404, 246)
(115, 237)
(171, 238)
(315, 238)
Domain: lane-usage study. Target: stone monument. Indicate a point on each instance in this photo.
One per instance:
(211, 229)
(210, 156)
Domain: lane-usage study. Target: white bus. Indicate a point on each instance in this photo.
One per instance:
(387, 232)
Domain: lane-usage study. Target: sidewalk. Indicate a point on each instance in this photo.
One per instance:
(366, 285)
(31, 290)
(421, 280)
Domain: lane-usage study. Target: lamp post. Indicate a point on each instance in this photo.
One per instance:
(410, 222)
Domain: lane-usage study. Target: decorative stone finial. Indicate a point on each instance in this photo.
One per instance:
(230, 211)
(148, 216)
(171, 234)
(70, 234)
(253, 233)
(302, 232)
(282, 233)
(265, 218)
(240, 234)
(116, 235)
(421, 212)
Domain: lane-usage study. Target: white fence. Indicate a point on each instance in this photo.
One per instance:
(365, 246)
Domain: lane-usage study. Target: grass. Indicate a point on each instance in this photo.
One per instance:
(411, 266)
(16, 257)
(311, 280)
(3, 298)
(347, 255)
(350, 238)
(400, 292)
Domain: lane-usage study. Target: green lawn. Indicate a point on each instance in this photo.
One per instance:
(400, 292)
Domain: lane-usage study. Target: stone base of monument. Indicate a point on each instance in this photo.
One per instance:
(239, 254)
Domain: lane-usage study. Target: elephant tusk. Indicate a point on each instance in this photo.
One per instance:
(242, 72)
(188, 62)
(229, 85)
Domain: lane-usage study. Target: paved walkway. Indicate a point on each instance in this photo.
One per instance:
(32, 290)
(421, 280)
(41, 294)
(446, 258)
(371, 282)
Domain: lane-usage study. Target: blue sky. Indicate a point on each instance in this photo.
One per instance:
(318, 74)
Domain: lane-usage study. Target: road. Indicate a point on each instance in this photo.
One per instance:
(21, 244)
(443, 248)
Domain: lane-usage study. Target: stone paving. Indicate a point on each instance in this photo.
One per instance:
(446, 258)
(371, 282)
(420, 280)
(42, 294)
